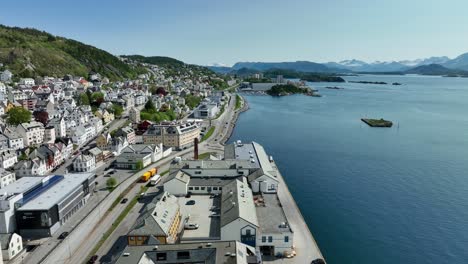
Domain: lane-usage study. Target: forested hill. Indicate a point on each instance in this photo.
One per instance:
(29, 53)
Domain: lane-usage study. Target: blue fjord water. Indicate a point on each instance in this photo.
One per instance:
(374, 195)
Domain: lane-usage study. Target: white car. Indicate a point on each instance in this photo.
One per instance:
(191, 226)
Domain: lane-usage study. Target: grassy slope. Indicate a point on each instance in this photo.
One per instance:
(29, 53)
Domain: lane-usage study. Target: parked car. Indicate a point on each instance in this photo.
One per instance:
(189, 226)
(214, 214)
(190, 202)
(93, 259)
(124, 200)
(63, 235)
(318, 261)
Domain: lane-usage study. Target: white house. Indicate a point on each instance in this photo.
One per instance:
(32, 167)
(6, 177)
(84, 163)
(6, 76)
(12, 245)
(8, 158)
(27, 81)
(142, 154)
(32, 133)
(59, 124)
(79, 135)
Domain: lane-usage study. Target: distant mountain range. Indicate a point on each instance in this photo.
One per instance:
(436, 66)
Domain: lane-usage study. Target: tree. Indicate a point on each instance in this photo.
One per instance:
(117, 109)
(111, 183)
(83, 99)
(18, 115)
(41, 116)
(97, 96)
(139, 165)
(149, 106)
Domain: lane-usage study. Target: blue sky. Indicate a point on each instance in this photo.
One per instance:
(209, 31)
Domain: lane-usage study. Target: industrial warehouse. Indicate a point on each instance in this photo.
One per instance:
(36, 207)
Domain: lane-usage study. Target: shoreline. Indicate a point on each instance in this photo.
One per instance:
(305, 244)
(245, 107)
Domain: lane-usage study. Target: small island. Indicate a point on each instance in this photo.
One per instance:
(377, 122)
(289, 89)
(367, 82)
(334, 88)
(396, 83)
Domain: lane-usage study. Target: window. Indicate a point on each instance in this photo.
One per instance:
(197, 188)
(215, 188)
(263, 239)
(161, 256)
(183, 255)
(190, 188)
(139, 238)
(248, 232)
(202, 188)
(270, 239)
(220, 188)
(286, 239)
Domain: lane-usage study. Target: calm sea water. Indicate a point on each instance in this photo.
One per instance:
(374, 195)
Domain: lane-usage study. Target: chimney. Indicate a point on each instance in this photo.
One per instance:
(195, 149)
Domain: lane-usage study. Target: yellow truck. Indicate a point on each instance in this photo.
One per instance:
(146, 176)
(153, 171)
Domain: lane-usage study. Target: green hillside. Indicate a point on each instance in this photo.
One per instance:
(30, 52)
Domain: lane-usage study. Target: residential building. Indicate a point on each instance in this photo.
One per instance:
(27, 81)
(49, 134)
(133, 156)
(8, 158)
(15, 140)
(97, 154)
(103, 141)
(104, 115)
(171, 134)
(6, 177)
(118, 144)
(134, 115)
(59, 124)
(12, 245)
(84, 163)
(206, 111)
(126, 132)
(6, 76)
(159, 224)
(32, 167)
(32, 133)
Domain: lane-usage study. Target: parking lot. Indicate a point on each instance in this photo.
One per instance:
(201, 213)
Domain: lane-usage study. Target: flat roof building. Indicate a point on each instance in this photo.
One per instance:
(229, 252)
(51, 203)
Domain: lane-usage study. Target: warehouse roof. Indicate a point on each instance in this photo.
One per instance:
(56, 193)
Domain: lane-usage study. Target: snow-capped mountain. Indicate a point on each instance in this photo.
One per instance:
(385, 66)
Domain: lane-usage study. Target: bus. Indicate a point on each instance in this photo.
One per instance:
(155, 180)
